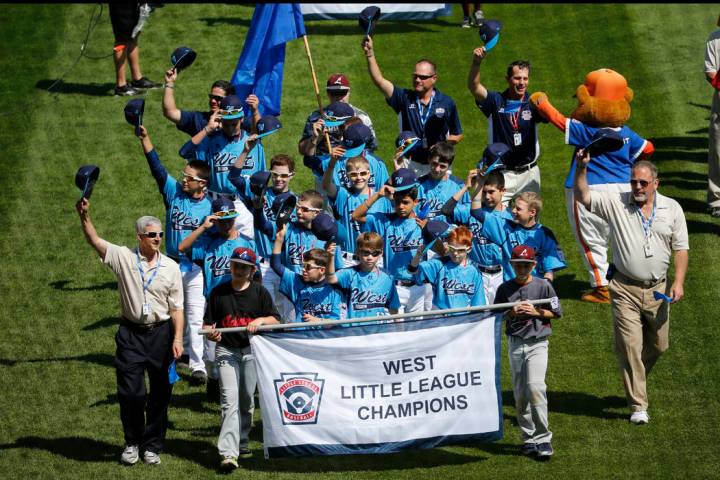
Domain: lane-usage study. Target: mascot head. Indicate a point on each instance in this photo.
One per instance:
(603, 100)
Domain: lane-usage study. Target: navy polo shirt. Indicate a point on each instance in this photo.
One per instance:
(442, 119)
(192, 122)
(502, 127)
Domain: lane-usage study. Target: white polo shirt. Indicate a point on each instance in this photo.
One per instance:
(165, 292)
(668, 232)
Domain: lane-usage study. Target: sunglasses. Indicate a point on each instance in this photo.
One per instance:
(407, 143)
(232, 111)
(302, 208)
(191, 177)
(333, 118)
(642, 183)
(217, 98)
(309, 266)
(225, 214)
(373, 253)
(458, 249)
(152, 234)
(422, 77)
(281, 176)
(361, 174)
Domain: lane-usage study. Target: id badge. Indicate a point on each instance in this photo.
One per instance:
(517, 139)
(146, 309)
(424, 142)
(648, 251)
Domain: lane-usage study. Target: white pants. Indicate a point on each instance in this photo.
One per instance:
(491, 282)
(412, 298)
(592, 233)
(528, 364)
(194, 311)
(528, 181)
(238, 380)
(271, 282)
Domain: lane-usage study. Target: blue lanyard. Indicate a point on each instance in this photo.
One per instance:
(423, 118)
(146, 285)
(647, 225)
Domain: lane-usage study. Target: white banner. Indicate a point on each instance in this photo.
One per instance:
(389, 11)
(380, 388)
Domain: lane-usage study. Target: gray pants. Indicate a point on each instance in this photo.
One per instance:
(713, 192)
(528, 364)
(238, 380)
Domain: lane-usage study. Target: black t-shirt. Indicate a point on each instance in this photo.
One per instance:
(228, 307)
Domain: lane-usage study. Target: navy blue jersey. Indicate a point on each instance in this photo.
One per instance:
(370, 294)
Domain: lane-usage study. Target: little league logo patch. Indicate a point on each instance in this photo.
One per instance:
(298, 396)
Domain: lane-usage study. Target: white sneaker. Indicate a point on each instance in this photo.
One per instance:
(130, 455)
(465, 22)
(479, 18)
(151, 458)
(639, 418)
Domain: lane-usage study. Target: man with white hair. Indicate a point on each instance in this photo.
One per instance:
(150, 335)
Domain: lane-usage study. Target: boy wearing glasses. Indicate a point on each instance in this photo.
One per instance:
(186, 206)
(314, 298)
(371, 289)
(439, 185)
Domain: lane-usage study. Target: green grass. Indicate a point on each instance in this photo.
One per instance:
(59, 305)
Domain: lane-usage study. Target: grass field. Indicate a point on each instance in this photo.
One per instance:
(59, 305)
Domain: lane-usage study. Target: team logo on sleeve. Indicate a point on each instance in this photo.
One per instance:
(298, 396)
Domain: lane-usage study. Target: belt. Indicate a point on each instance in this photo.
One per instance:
(404, 283)
(216, 195)
(141, 327)
(524, 168)
(637, 283)
(490, 270)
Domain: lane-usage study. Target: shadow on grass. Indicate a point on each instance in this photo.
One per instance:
(103, 359)
(568, 287)
(102, 323)
(90, 89)
(680, 148)
(81, 449)
(63, 286)
(684, 180)
(576, 403)
(695, 226)
(194, 401)
(690, 205)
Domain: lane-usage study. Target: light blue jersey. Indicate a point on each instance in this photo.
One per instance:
(484, 252)
(401, 236)
(432, 195)
(321, 300)
(370, 294)
(344, 203)
(215, 252)
(454, 285)
(378, 170)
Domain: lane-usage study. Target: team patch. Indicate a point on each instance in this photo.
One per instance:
(298, 395)
(526, 115)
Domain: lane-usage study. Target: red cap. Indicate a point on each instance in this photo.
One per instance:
(523, 253)
(338, 83)
(244, 255)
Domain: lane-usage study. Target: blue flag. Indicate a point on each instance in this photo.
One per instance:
(260, 67)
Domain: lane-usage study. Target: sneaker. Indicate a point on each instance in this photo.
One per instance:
(545, 451)
(597, 295)
(228, 464)
(640, 417)
(479, 18)
(130, 455)
(244, 452)
(529, 449)
(715, 212)
(198, 377)
(145, 83)
(465, 22)
(125, 91)
(151, 458)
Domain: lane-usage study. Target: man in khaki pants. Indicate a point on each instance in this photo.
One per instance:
(645, 228)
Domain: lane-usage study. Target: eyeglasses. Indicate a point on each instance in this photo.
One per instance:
(225, 213)
(422, 77)
(232, 111)
(217, 98)
(458, 249)
(642, 183)
(363, 174)
(191, 177)
(373, 253)
(310, 266)
(303, 208)
(152, 234)
(281, 176)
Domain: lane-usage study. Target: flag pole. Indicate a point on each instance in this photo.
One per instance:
(317, 88)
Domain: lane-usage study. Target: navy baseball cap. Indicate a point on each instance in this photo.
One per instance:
(231, 107)
(85, 179)
(324, 227)
(490, 33)
(244, 255)
(368, 19)
(492, 156)
(403, 179)
(134, 112)
(407, 140)
(283, 206)
(605, 140)
(355, 137)
(337, 113)
(523, 253)
(182, 58)
(224, 208)
(259, 182)
(268, 125)
(433, 230)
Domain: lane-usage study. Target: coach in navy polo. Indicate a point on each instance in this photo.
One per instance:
(510, 121)
(424, 110)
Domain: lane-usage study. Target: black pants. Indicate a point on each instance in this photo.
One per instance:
(137, 352)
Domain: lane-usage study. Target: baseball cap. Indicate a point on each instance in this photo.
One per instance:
(259, 182)
(490, 33)
(283, 206)
(134, 112)
(268, 125)
(403, 179)
(182, 58)
(368, 19)
(355, 137)
(433, 230)
(605, 140)
(244, 255)
(324, 227)
(523, 253)
(337, 113)
(337, 82)
(492, 156)
(224, 208)
(85, 179)
(407, 140)
(231, 107)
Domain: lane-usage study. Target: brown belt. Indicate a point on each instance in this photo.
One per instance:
(637, 283)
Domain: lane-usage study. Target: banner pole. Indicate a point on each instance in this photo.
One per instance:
(289, 326)
(317, 88)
